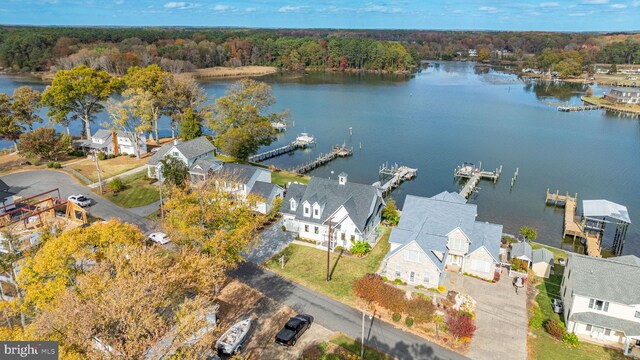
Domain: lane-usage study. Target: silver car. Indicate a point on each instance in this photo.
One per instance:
(80, 200)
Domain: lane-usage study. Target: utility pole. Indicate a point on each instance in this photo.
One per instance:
(95, 158)
(160, 182)
(362, 338)
(329, 251)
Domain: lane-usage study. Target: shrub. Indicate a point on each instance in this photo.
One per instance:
(496, 276)
(408, 321)
(53, 165)
(101, 156)
(385, 279)
(390, 213)
(555, 328)
(396, 317)
(421, 309)
(537, 317)
(360, 248)
(338, 248)
(442, 289)
(371, 287)
(116, 185)
(76, 153)
(284, 228)
(571, 339)
(44, 144)
(460, 325)
(398, 281)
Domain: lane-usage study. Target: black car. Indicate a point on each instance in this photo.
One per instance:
(293, 329)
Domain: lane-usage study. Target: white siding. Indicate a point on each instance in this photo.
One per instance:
(485, 264)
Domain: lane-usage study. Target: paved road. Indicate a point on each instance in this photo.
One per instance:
(30, 183)
(339, 317)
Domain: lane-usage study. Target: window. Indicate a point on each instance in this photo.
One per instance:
(353, 238)
(175, 153)
(306, 210)
(398, 273)
(412, 256)
(637, 314)
(607, 332)
(457, 243)
(306, 228)
(316, 212)
(293, 205)
(564, 293)
(588, 327)
(343, 236)
(599, 305)
(316, 230)
(569, 275)
(412, 277)
(426, 278)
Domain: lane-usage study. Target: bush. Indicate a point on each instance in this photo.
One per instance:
(460, 325)
(284, 228)
(396, 317)
(390, 213)
(53, 165)
(338, 248)
(571, 339)
(398, 281)
(442, 289)
(76, 153)
(116, 185)
(421, 309)
(555, 328)
(537, 317)
(360, 248)
(101, 156)
(371, 287)
(496, 276)
(385, 279)
(408, 321)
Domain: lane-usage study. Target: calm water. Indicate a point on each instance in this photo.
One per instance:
(452, 113)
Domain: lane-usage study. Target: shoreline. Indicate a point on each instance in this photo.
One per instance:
(606, 105)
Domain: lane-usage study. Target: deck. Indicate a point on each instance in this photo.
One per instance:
(336, 152)
(398, 175)
(474, 174)
(568, 108)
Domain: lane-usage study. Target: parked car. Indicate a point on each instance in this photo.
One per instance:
(293, 329)
(557, 306)
(159, 238)
(80, 200)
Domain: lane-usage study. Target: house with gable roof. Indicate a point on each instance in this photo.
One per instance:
(113, 142)
(440, 234)
(352, 210)
(191, 152)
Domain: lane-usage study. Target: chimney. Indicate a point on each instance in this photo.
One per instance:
(342, 178)
(114, 136)
(175, 141)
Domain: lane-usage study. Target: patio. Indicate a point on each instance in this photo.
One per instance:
(501, 317)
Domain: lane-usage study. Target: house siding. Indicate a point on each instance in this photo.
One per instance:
(424, 267)
(480, 254)
(541, 269)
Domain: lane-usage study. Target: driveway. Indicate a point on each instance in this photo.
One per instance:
(30, 183)
(336, 316)
(271, 241)
(501, 317)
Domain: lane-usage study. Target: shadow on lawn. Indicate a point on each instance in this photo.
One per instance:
(335, 264)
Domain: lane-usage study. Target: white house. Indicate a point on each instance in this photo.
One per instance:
(189, 152)
(246, 180)
(601, 299)
(353, 210)
(440, 234)
(112, 142)
(622, 95)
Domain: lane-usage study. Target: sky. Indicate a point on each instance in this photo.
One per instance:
(550, 15)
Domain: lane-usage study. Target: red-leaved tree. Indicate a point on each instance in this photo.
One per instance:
(461, 325)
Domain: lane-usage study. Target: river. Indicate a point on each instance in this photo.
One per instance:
(456, 112)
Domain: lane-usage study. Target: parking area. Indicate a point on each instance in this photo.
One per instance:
(501, 317)
(271, 241)
(238, 302)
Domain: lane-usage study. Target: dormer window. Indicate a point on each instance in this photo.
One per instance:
(307, 210)
(316, 211)
(293, 204)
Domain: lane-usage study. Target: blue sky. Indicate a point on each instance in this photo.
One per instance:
(572, 15)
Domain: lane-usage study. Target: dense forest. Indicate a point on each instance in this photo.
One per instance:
(183, 49)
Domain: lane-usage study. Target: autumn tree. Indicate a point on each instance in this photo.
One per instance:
(239, 121)
(78, 94)
(133, 115)
(529, 233)
(461, 325)
(174, 171)
(209, 216)
(390, 213)
(45, 144)
(186, 96)
(10, 129)
(190, 127)
(154, 81)
(26, 105)
(484, 54)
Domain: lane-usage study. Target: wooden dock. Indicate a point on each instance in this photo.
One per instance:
(397, 173)
(568, 108)
(294, 145)
(573, 225)
(336, 152)
(474, 175)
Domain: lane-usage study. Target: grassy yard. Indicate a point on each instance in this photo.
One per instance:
(308, 266)
(543, 345)
(138, 191)
(108, 168)
(281, 177)
(353, 347)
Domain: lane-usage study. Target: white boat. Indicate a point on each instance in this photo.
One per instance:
(232, 340)
(306, 139)
(279, 125)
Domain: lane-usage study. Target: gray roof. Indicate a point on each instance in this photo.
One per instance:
(614, 279)
(450, 197)
(605, 208)
(428, 221)
(241, 173)
(521, 249)
(296, 192)
(626, 89)
(542, 255)
(630, 328)
(362, 202)
(204, 166)
(190, 149)
(265, 190)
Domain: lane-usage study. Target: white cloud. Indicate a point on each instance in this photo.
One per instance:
(221, 8)
(577, 14)
(382, 9)
(549, 4)
(180, 5)
(250, 9)
(289, 8)
(618, 6)
(457, 12)
(595, 2)
(487, 8)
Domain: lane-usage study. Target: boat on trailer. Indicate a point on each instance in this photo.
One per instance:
(232, 340)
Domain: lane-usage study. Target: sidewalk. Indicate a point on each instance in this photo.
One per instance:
(124, 174)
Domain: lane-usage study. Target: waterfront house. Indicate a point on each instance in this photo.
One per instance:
(112, 143)
(246, 181)
(523, 251)
(441, 234)
(352, 210)
(621, 95)
(189, 152)
(542, 262)
(601, 299)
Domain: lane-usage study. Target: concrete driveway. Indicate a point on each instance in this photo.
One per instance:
(271, 241)
(501, 317)
(30, 183)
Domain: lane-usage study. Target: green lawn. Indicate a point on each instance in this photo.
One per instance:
(284, 177)
(353, 346)
(543, 345)
(308, 266)
(138, 191)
